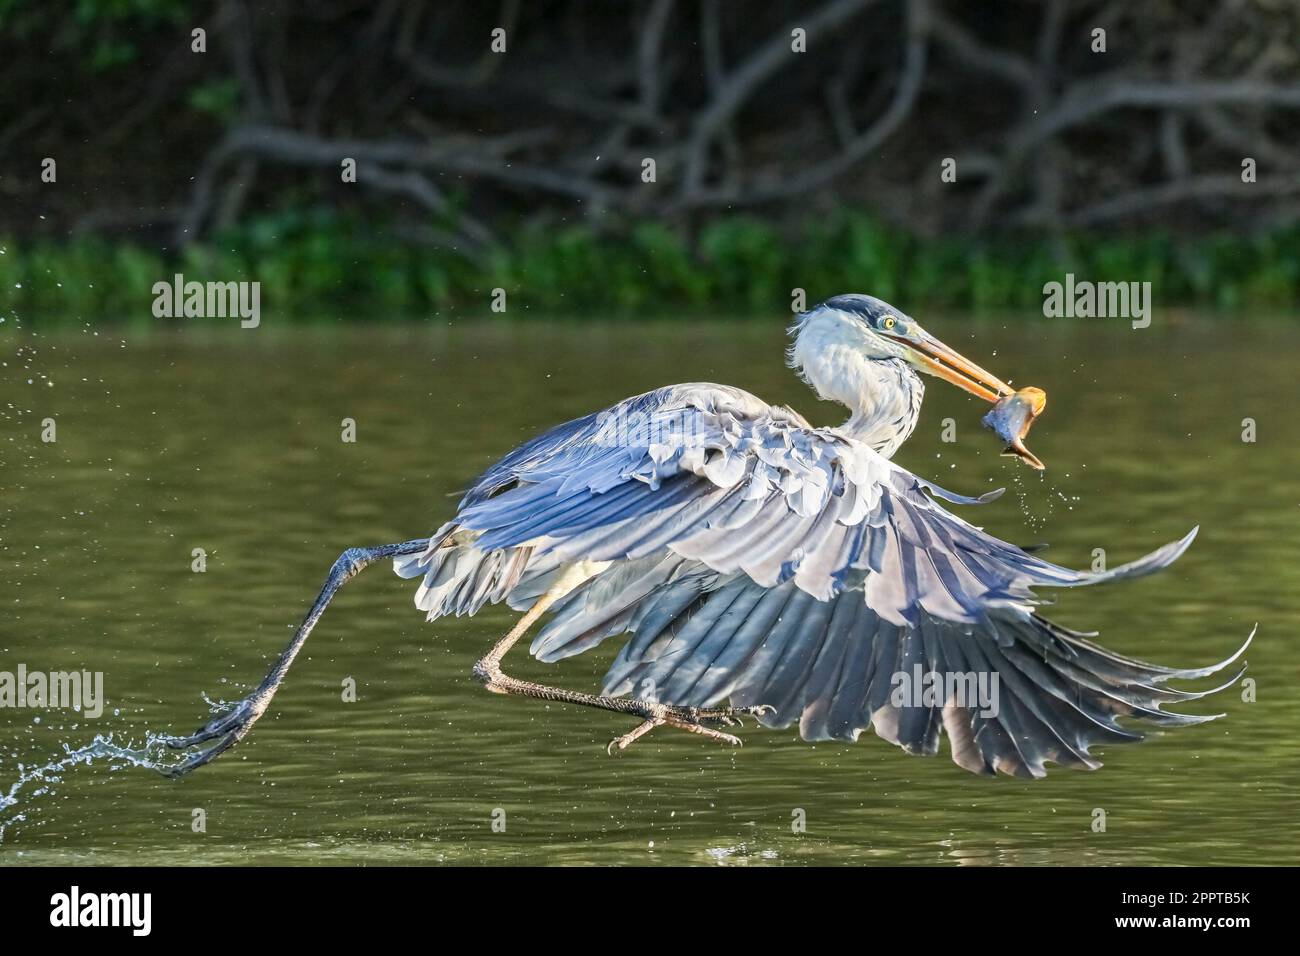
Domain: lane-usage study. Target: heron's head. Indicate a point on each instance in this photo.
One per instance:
(834, 340)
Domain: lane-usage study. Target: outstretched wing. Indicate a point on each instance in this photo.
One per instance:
(757, 559)
(715, 475)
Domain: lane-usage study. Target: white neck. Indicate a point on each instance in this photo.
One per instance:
(891, 417)
(883, 395)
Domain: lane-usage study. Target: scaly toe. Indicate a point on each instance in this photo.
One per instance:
(625, 741)
(698, 728)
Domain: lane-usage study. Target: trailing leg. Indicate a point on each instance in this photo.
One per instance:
(229, 728)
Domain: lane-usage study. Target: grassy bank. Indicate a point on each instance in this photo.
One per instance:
(323, 265)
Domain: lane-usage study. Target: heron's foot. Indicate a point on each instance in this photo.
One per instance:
(721, 716)
(625, 741)
(694, 720)
(226, 729)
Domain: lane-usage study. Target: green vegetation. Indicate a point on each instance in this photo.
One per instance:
(320, 264)
(100, 32)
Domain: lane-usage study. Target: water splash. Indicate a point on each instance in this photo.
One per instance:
(34, 782)
(1039, 503)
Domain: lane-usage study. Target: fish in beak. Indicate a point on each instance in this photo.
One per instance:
(1013, 413)
(1011, 418)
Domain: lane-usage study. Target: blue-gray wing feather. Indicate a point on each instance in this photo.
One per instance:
(754, 559)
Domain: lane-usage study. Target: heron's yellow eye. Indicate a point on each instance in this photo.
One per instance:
(888, 322)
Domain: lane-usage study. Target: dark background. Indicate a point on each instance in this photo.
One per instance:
(774, 168)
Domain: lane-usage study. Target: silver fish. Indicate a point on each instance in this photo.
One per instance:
(1011, 418)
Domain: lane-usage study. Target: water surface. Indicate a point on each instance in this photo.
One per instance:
(229, 440)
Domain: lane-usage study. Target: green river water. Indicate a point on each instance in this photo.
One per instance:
(229, 440)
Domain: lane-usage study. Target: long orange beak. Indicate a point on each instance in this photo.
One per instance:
(951, 366)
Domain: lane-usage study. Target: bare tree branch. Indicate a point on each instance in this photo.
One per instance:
(909, 85)
(740, 84)
(966, 48)
(1141, 201)
(652, 35)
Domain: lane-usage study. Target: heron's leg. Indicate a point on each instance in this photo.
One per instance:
(230, 727)
(488, 671)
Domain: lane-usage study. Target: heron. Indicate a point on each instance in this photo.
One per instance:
(759, 566)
